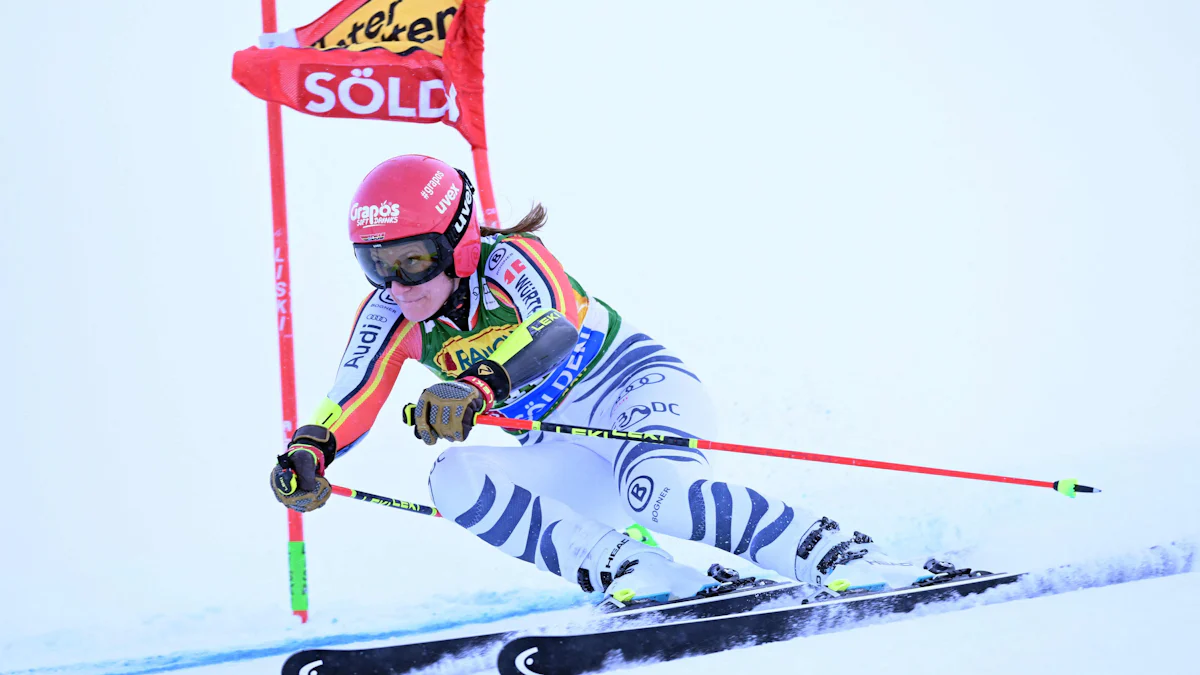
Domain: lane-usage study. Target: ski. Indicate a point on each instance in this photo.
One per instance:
(738, 595)
(393, 660)
(587, 652)
(573, 654)
(745, 612)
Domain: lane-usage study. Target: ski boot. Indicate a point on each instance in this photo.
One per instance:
(829, 558)
(629, 571)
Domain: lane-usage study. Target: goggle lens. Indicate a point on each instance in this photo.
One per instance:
(411, 262)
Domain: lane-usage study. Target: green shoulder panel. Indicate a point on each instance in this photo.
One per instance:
(448, 350)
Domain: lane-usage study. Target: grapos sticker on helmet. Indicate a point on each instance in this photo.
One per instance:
(427, 191)
(375, 215)
(398, 203)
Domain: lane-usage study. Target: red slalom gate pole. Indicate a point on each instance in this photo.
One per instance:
(1068, 487)
(297, 563)
(483, 176)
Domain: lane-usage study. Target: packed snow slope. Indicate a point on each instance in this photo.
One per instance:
(951, 234)
(1164, 614)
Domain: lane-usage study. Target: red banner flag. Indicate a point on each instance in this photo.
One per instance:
(399, 60)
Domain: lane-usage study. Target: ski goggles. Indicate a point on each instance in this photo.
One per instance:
(411, 261)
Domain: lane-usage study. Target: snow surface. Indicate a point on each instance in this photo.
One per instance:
(1155, 616)
(953, 234)
(1134, 628)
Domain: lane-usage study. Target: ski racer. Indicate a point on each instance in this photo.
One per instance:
(493, 314)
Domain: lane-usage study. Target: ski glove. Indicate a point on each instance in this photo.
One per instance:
(447, 410)
(298, 478)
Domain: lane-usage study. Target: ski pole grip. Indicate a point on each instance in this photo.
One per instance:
(1070, 486)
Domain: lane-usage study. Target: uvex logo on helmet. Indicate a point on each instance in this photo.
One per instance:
(447, 199)
(375, 215)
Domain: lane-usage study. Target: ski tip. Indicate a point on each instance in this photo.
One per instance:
(1070, 487)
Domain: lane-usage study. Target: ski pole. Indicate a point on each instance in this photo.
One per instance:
(1068, 486)
(386, 501)
(635, 531)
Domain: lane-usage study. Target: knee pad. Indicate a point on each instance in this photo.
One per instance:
(456, 480)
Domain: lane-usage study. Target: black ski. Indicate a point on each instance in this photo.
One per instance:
(738, 596)
(581, 653)
(574, 654)
(393, 660)
(725, 620)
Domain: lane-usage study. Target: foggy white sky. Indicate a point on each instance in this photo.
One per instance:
(964, 234)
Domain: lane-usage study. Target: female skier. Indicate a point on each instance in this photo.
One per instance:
(509, 332)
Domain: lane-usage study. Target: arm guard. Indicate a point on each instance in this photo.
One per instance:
(537, 345)
(317, 437)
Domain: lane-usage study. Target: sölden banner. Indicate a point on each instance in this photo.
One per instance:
(398, 60)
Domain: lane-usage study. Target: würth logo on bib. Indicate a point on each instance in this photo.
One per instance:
(517, 267)
(377, 214)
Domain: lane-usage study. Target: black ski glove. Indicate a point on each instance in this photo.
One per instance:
(298, 479)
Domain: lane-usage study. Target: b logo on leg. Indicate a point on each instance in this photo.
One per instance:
(639, 493)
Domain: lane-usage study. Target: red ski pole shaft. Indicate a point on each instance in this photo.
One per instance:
(1068, 487)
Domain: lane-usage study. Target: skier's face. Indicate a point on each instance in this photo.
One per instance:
(420, 302)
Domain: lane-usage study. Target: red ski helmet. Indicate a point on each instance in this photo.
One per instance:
(411, 219)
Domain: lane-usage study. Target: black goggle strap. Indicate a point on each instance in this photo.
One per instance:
(463, 214)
